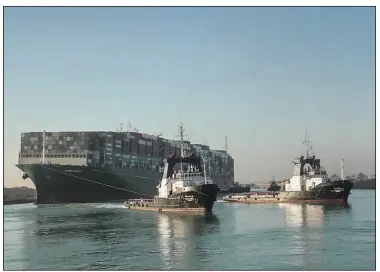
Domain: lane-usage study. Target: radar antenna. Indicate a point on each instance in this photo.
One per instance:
(130, 128)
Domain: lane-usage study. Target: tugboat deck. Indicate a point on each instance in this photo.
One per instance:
(281, 197)
(149, 205)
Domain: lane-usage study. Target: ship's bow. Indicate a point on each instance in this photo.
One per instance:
(204, 195)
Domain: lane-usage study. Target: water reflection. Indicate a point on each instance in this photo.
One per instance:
(180, 237)
(74, 223)
(309, 215)
(69, 231)
(307, 229)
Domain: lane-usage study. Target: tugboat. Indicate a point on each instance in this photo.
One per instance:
(309, 184)
(185, 186)
(273, 187)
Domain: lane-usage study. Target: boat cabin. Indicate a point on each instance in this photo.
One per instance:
(307, 174)
(180, 173)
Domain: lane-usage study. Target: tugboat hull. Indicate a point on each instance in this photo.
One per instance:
(329, 192)
(199, 199)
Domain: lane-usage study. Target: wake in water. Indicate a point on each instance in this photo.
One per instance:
(108, 205)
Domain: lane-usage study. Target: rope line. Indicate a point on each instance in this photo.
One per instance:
(107, 185)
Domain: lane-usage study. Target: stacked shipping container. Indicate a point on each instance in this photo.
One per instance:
(109, 140)
(118, 150)
(55, 142)
(124, 149)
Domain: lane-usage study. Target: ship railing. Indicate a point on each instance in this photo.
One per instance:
(183, 177)
(263, 193)
(150, 201)
(140, 200)
(254, 193)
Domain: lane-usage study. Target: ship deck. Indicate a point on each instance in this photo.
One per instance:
(279, 197)
(148, 205)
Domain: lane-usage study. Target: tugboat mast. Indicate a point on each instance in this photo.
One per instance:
(182, 144)
(181, 130)
(307, 143)
(204, 169)
(342, 168)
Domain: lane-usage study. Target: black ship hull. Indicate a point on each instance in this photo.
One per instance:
(57, 184)
(200, 198)
(79, 184)
(203, 196)
(236, 190)
(333, 191)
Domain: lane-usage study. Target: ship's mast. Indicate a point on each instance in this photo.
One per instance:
(204, 169)
(43, 146)
(181, 130)
(225, 144)
(342, 168)
(307, 143)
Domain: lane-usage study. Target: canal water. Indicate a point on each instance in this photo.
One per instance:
(235, 237)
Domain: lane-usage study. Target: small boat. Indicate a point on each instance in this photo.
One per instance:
(185, 187)
(235, 188)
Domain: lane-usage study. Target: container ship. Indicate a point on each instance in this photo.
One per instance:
(106, 166)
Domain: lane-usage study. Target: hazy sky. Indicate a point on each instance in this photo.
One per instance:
(257, 75)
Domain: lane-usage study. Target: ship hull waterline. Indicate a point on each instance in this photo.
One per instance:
(336, 192)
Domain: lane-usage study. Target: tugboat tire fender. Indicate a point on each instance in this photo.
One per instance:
(160, 210)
